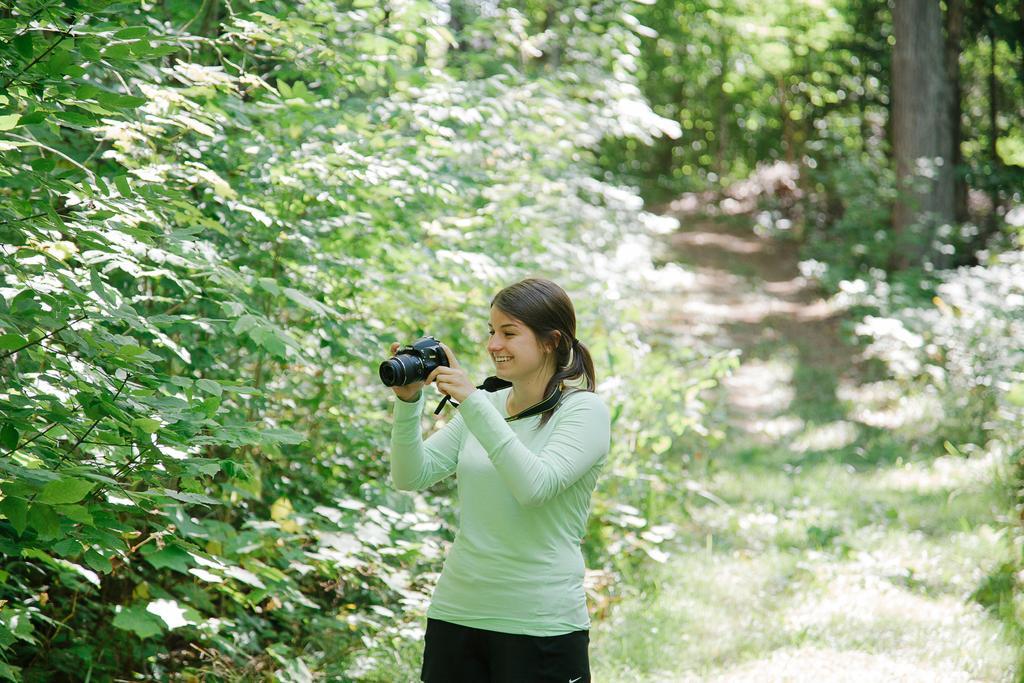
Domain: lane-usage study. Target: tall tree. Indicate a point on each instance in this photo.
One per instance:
(954, 46)
(922, 128)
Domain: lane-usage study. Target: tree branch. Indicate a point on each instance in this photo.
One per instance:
(47, 51)
(41, 339)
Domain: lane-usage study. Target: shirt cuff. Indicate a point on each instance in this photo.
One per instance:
(404, 408)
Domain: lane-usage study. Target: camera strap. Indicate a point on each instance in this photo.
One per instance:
(494, 383)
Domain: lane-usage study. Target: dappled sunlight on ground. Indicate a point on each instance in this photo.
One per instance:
(854, 607)
(829, 549)
(776, 428)
(760, 527)
(763, 387)
(943, 473)
(954, 564)
(826, 437)
(736, 244)
(883, 405)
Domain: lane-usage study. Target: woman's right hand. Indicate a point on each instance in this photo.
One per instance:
(406, 392)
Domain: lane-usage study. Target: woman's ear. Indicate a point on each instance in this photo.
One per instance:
(557, 343)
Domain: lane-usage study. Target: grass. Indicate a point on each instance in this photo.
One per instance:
(857, 563)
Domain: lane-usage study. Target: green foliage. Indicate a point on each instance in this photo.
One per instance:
(213, 224)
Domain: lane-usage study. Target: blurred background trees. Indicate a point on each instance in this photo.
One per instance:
(831, 90)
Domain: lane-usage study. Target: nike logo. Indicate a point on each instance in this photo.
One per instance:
(575, 679)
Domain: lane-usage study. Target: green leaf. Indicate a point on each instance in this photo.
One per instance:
(139, 621)
(58, 64)
(186, 497)
(23, 44)
(19, 623)
(288, 436)
(269, 339)
(171, 557)
(76, 513)
(16, 511)
(65, 491)
(97, 561)
(209, 386)
(117, 51)
(270, 284)
(129, 351)
(67, 547)
(132, 32)
(87, 92)
(121, 182)
(44, 520)
(306, 302)
(119, 101)
(146, 425)
(11, 341)
(43, 164)
(9, 121)
(245, 323)
(100, 287)
(9, 437)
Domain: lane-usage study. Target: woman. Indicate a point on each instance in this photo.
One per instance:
(509, 605)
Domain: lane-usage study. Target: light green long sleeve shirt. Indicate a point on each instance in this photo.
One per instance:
(516, 565)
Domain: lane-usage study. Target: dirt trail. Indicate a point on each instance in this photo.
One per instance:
(839, 554)
(748, 293)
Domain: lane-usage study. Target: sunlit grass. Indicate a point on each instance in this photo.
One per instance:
(843, 553)
(823, 572)
(708, 612)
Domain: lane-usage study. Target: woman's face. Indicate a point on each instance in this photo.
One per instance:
(512, 340)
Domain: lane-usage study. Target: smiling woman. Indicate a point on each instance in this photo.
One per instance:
(532, 341)
(509, 604)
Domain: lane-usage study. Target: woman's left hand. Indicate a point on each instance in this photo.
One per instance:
(451, 380)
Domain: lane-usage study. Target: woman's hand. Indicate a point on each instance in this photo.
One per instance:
(407, 392)
(451, 380)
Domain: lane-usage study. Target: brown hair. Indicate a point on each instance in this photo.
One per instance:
(547, 310)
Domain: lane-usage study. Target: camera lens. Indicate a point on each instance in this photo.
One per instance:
(401, 370)
(390, 371)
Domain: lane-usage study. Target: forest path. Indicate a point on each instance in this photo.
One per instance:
(838, 552)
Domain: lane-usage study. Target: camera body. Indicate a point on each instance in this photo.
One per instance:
(413, 363)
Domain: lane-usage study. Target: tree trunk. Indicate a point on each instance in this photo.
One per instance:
(954, 43)
(993, 113)
(922, 130)
(991, 225)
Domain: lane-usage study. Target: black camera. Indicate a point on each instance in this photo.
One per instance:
(413, 363)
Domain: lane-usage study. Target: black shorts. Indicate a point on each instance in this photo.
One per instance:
(462, 654)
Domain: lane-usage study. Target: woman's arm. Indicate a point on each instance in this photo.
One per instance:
(417, 464)
(580, 437)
